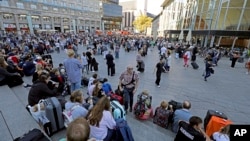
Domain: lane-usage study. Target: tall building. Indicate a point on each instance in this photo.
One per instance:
(207, 22)
(111, 15)
(131, 9)
(61, 15)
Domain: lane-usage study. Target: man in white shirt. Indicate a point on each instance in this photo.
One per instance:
(84, 63)
(163, 51)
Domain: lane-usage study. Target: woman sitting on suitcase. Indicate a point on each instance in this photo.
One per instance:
(40, 90)
(222, 135)
(101, 121)
(162, 114)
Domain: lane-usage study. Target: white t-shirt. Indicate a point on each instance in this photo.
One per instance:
(188, 54)
(84, 60)
(220, 137)
(163, 50)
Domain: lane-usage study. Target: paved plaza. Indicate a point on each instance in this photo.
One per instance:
(226, 91)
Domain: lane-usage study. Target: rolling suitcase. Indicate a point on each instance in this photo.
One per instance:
(117, 110)
(176, 105)
(215, 124)
(195, 65)
(211, 113)
(53, 112)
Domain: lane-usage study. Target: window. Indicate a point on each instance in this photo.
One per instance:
(19, 5)
(55, 9)
(45, 8)
(22, 17)
(46, 19)
(4, 3)
(32, 6)
(35, 18)
(8, 16)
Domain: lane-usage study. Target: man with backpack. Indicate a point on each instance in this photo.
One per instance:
(128, 83)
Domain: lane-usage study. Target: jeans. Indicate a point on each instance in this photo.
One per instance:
(128, 97)
(85, 67)
(208, 73)
(75, 86)
(116, 54)
(110, 135)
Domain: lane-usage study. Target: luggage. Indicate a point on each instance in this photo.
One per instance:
(215, 124)
(117, 110)
(85, 81)
(211, 113)
(33, 135)
(53, 112)
(241, 59)
(143, 104)
(117, 97)
(176, 105)
(194, 65)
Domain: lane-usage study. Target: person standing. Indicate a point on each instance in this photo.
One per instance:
(128, 83)
(73, 69)
(84, 63)
(110, 63)
(208, 69)
(159, 68)
(117, 49)
(140, 62)
(186, 57)
(234, 58)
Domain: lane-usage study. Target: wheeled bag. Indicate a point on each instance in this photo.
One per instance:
(195, 65)
(211, 113)
(215, 124)
(53, 112)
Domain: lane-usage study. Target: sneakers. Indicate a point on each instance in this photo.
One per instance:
(246, 72)
(130, 110)
(205, 79)
(158, 86)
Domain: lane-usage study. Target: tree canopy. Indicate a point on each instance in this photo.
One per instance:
(142, 22)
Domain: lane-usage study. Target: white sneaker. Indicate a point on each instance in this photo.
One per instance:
(158, 86)
(246, 72)
(93, 71)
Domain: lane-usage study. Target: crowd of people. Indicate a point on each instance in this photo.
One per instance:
(25, 55)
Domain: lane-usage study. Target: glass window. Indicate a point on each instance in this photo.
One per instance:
(4, 3)
(22, 17)
(32, 6)
(45, 8)
(55, 9)
(7, 16)
(19, 5)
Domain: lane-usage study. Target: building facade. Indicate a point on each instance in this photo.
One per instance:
(207, 21)
(111, 15)
(131, 9)
(61, 15)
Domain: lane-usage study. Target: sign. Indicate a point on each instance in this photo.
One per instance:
(9, 25)
(239, 132)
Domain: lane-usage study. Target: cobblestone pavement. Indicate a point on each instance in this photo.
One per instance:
(227, 91)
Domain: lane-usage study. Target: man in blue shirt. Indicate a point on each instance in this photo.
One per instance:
(73, 69)
(182, 115)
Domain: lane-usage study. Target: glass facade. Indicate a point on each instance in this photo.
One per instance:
(112, 10)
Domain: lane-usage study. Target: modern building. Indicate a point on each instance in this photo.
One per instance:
(221, 22)
(61, 15)
(131, 9)
(111, 15)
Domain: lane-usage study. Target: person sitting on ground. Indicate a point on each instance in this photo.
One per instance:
(191, 131)
(101, 121)
(29, 67)
(56, 78)
(7, 78)
(78, 130)
(162, 114)
(38, 72)
(181, 114)
(106, 87)
(98, 91)
(222, 135)
(92, 87)
(75, 104)
(91, 79)
(39, 90)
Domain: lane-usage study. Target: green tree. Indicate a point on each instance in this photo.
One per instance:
(142, 22)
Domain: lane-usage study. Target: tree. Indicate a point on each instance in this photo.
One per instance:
(142, 22)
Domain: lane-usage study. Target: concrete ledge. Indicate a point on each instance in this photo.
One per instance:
(18, 119)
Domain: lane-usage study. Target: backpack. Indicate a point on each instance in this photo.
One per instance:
(143, 104)
(67, 115)
(123, 131)
(117, 110)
